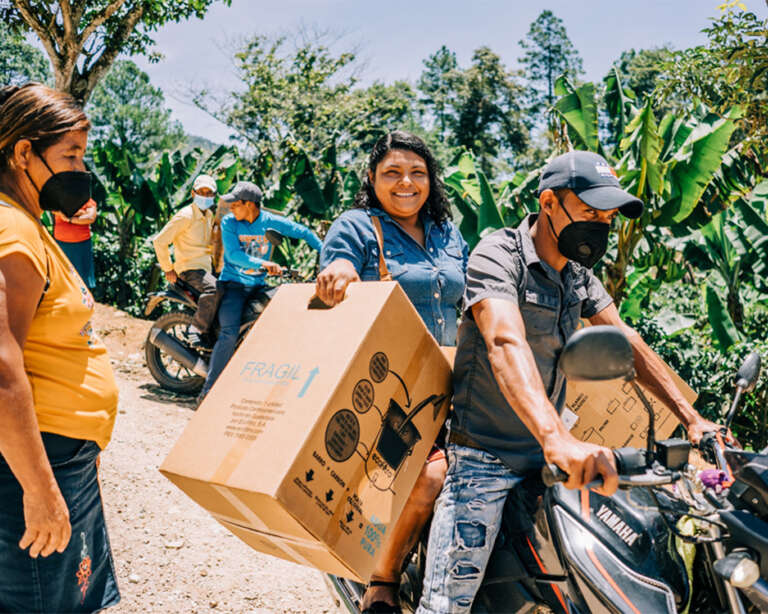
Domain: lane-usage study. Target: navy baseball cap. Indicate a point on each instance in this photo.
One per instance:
(243, 190)
(592, 179)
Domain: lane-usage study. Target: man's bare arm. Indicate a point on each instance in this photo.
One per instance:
(517, 375)
(652, 373)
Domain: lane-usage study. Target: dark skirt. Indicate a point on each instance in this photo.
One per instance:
(80, 579)
(80, 254)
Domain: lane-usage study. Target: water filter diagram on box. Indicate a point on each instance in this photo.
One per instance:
(397, 434)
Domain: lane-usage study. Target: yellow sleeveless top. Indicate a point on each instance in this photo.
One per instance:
(73, 385)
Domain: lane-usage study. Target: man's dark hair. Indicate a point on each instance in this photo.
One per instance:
(436, 205)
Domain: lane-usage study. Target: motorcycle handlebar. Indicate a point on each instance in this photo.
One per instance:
(712, 449)
(631, 464)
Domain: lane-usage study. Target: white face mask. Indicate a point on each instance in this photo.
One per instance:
(203, 202)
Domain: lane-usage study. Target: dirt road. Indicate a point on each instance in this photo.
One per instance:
(170, 555)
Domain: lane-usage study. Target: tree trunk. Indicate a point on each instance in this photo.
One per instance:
(64, 36)
(616, 273)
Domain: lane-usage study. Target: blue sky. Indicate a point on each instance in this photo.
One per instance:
(393, 37)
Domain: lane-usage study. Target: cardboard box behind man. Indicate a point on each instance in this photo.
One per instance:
(312, 438)
(611, 414)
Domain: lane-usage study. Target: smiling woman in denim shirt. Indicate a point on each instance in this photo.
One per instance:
(425, 253)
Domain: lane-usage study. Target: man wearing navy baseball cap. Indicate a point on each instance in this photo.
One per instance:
(527, 288)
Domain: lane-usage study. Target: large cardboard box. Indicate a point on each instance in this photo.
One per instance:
(611, 414)
(311, 440)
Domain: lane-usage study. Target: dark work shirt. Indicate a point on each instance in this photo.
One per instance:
(505, 265)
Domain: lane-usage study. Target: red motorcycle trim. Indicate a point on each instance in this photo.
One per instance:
(554, 586)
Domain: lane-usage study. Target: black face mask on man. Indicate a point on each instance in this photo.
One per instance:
(582, 242)
(67, 191)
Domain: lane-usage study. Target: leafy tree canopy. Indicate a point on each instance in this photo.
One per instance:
(437, 84)
(731, 69)
(84, 37)
(641, 68)
(488, 116)
(306, 94)
(129, 112)
(477, 108)
(19, 61)
(549, 53)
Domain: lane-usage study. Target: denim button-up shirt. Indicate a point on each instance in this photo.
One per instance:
(432, 276)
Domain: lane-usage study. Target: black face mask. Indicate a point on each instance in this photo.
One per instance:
(582, 242)
(66, 192)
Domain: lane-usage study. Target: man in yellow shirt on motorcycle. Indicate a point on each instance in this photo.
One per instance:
(190, 232)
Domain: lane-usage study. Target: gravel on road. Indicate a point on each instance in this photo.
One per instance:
(170, 554)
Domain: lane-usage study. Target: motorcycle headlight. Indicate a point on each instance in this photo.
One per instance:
(738, 569)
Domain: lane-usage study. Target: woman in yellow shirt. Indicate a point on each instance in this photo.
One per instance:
(58, 415)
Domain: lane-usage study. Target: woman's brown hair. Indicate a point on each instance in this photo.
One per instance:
(37, 113)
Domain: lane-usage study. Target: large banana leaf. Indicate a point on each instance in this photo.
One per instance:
(674, 132)
(578, 108)
(643, 136)
(489, 216)
(695, 165)
(301, 176)
(724, 330)
(754, 232)
(618, 101)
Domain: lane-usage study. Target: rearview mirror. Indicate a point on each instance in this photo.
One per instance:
(748, 373)
(597, 353)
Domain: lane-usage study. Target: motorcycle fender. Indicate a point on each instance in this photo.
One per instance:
(603, 577)
(167, 295)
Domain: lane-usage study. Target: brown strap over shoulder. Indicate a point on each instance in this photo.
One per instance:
(384, 274)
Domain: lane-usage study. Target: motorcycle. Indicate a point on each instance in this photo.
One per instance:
(672, 538)
(175, 363)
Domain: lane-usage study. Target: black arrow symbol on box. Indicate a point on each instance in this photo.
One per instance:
(350, 516)
(329, 496)
(310, 475)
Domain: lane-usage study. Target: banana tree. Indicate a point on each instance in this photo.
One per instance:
(316, 191)
(669, 166)
(734, 245)
(136, 201)
(479, 207)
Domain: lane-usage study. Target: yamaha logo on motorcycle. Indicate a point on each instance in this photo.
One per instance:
(617, 525)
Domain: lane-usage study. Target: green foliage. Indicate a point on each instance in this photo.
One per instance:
(487, 115)
(307, 96)
(127, 111)
(549, 54)
(675, 328)
(83, 38)
(437, 84)
(19, 61)
(479, 207)
(669, 166)
(735, 245)
(641, 69)
(137, 200)
(730, 70)
(477, 108)
(578, 108)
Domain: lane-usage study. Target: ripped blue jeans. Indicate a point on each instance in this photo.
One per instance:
(467, 519)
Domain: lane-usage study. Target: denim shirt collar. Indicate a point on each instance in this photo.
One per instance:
(427, 221)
